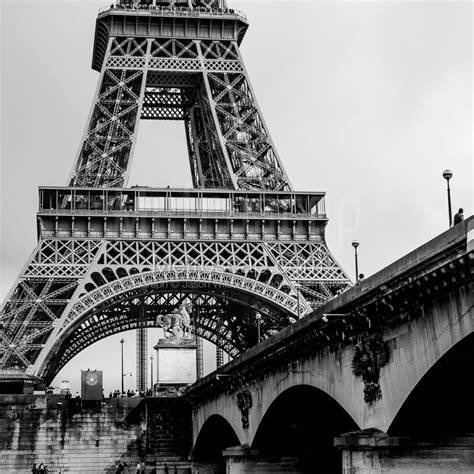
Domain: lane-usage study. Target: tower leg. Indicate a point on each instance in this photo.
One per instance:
(110, 136)
(142, 351)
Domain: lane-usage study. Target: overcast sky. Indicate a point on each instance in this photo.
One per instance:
(367, 101)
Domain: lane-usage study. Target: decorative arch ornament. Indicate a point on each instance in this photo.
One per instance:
(244, 402)
(166, 277)
(369, 357)
(132, 287)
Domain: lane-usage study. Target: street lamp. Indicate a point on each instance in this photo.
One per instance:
(151, 374)
(355, 244)
(258, 318)
(121, 371)
(447, 175)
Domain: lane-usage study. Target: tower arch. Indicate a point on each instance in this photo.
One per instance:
(224, 301)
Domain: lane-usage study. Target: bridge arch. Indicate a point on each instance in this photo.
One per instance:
(302, 422)
(422, 345)
(216, 435)
(113, 307)
(435, 409)
(328, 377)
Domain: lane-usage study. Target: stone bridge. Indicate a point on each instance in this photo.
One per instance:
(382, 372)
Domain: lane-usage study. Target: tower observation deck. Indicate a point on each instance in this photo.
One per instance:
(243, 248)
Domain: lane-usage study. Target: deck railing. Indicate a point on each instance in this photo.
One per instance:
(152, 201)
(148, 10)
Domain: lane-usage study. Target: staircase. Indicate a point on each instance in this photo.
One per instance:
(169, 435)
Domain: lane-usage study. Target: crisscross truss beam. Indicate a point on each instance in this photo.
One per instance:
(218, 317)
(67, 282)
(202, 82)
(104, 264)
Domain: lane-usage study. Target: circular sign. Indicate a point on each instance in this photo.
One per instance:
(91, 379)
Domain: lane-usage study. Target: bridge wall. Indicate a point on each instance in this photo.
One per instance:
(327, 371)
(414, 348)
(418, 345)
(93, 437)
(59, 433)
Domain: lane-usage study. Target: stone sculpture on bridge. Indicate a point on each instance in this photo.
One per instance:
(369, 357)
(244, 402)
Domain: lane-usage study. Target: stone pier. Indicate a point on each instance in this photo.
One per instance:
(374, 452)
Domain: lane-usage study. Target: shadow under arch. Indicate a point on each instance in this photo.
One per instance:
(441, 404)
(302, 423)
(215, 436)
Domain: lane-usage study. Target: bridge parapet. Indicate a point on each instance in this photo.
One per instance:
(436, 260)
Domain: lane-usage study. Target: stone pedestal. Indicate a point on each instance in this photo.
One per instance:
(176, 361)
(241, 460)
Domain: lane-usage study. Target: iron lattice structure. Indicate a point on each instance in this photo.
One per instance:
(242, 246)
(142, 351)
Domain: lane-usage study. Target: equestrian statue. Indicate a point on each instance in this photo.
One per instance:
(176, 324)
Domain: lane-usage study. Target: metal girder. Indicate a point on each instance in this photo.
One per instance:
(65, 281)
(142, 349)
(206, 85)
(223, 320)
(80, 287)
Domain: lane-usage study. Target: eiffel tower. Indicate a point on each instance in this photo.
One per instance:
(242, 246)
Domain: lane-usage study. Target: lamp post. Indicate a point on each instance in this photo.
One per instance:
(258, 318)
(447, 175)
(355, 244)
(151, 373)
(123, 375)
(121, 371)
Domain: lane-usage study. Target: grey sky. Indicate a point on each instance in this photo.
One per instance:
(368, 101)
